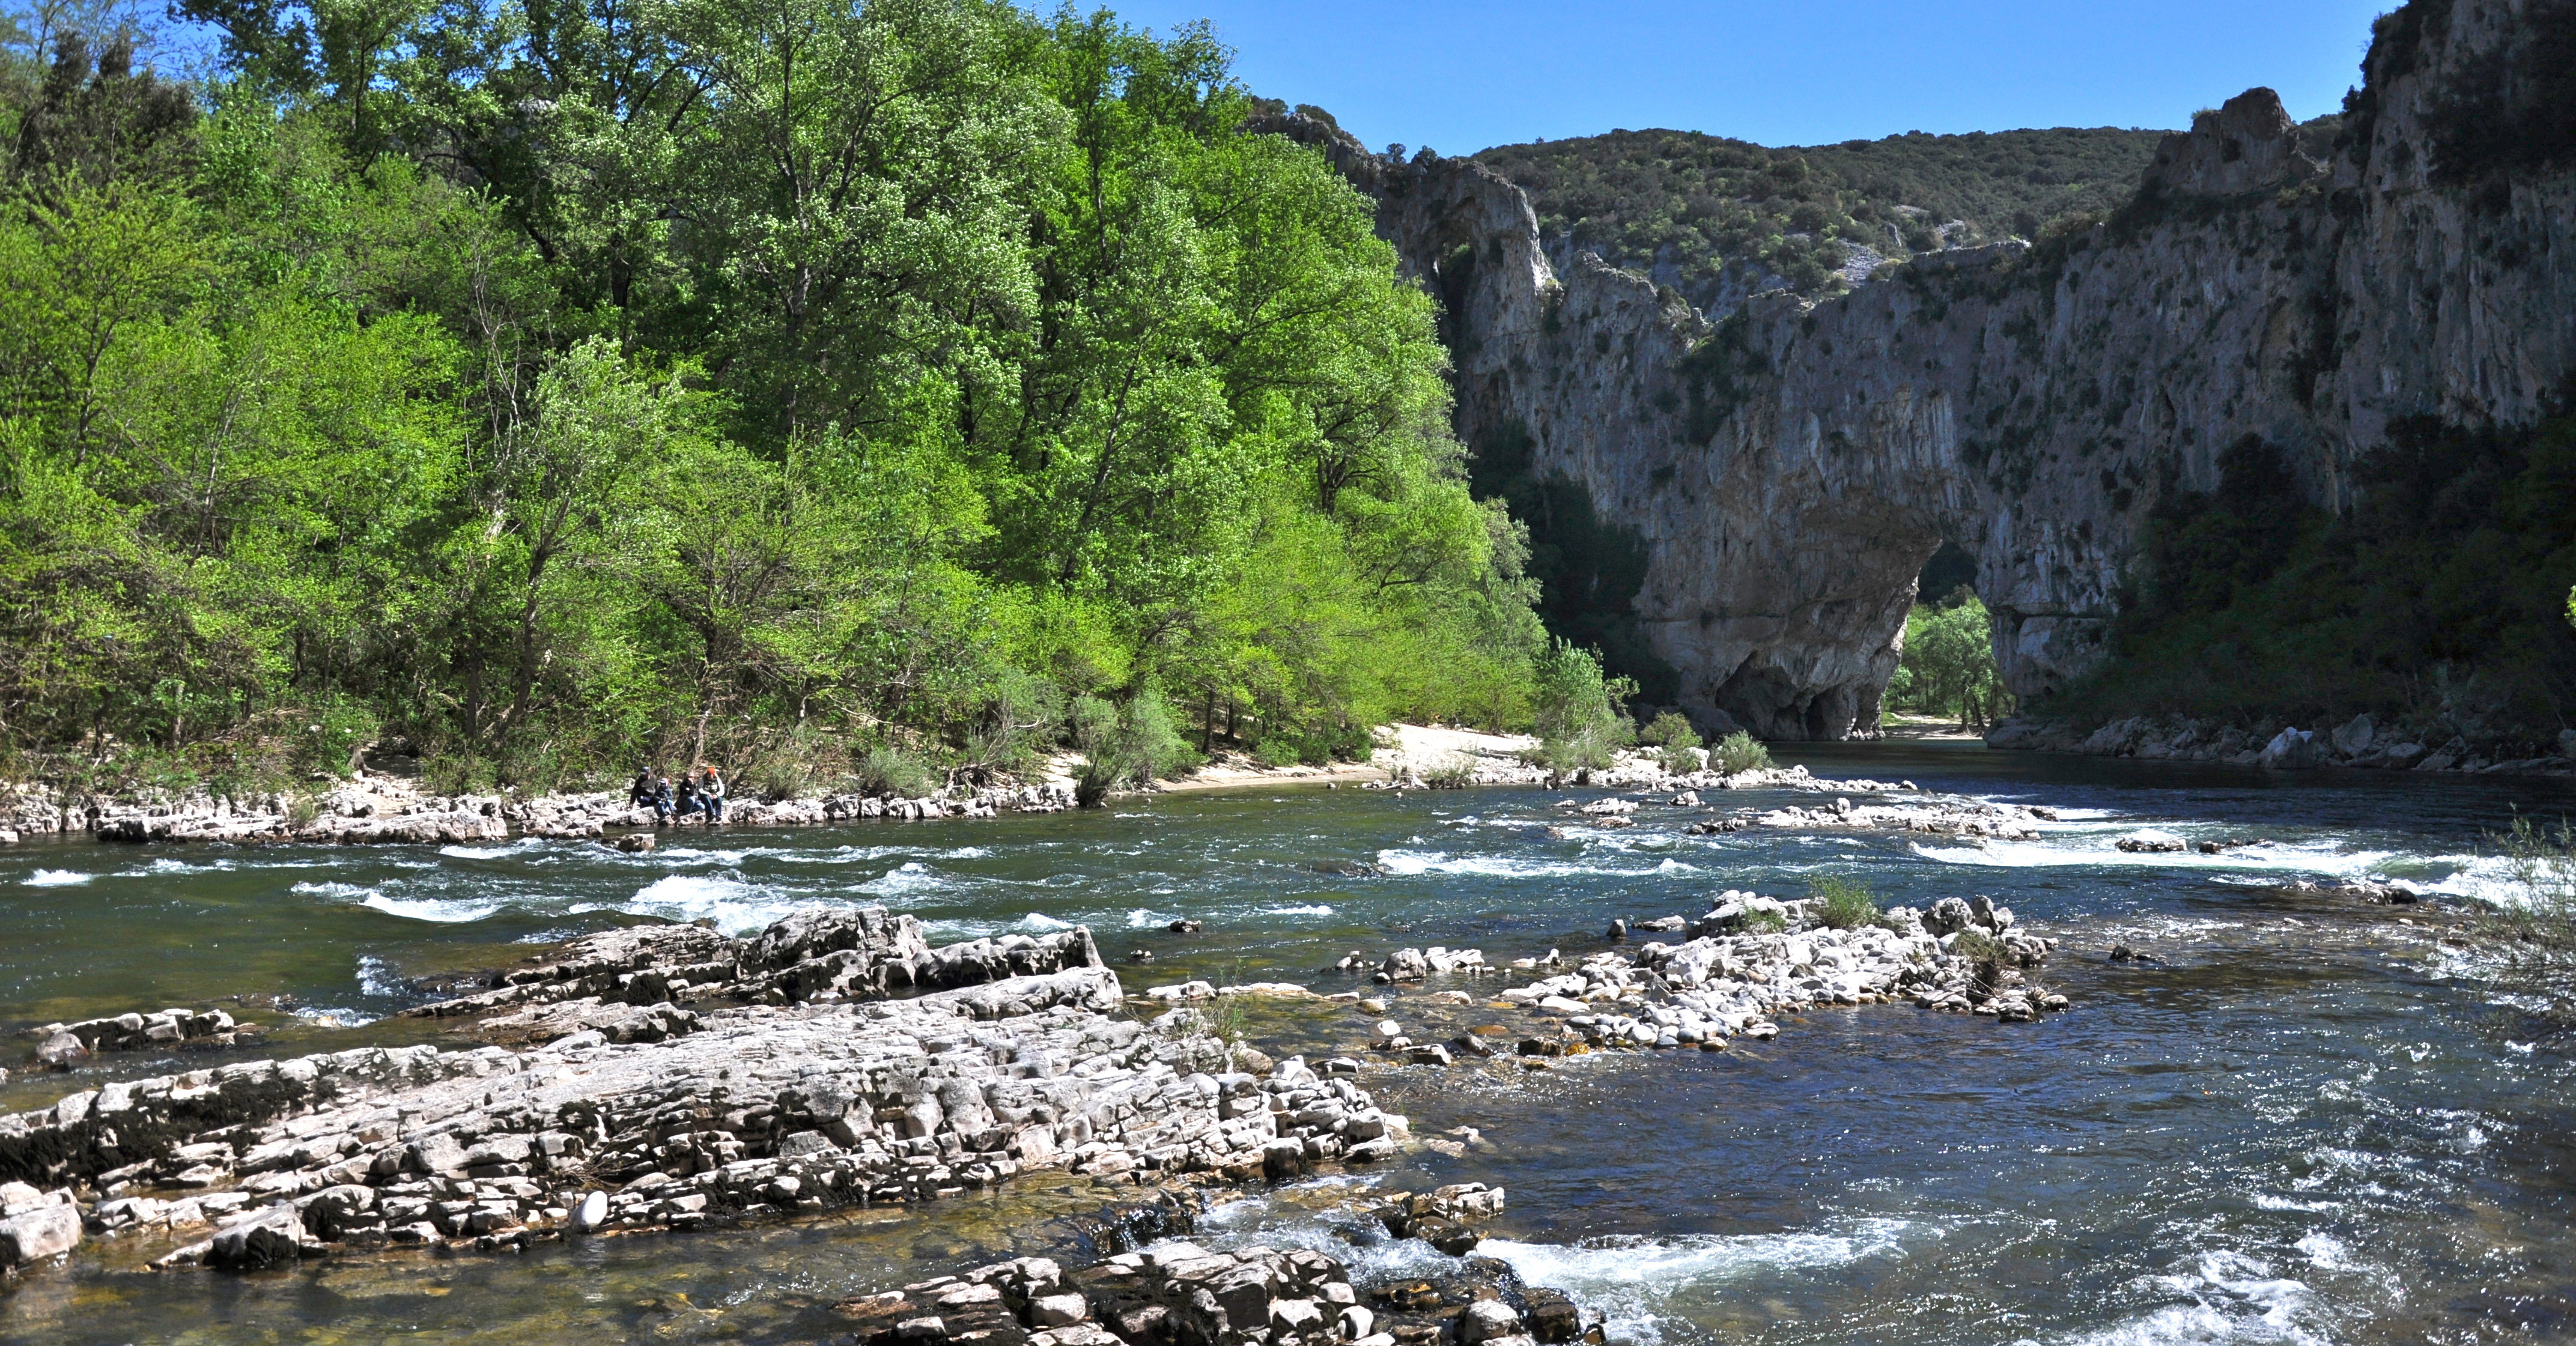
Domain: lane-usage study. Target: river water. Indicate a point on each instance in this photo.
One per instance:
(2309, 1122)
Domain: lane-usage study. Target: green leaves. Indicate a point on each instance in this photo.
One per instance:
(791, 384)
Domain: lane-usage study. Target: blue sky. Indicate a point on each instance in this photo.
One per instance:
(1460, 77)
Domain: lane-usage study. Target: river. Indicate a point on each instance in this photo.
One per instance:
(2309, 1122)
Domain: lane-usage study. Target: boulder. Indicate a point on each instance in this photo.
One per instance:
(2150, 841)
(39, 1232)
(2291, 750)
(266, 1238)
(2354, 737)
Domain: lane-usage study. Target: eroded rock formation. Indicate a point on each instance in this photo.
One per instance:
(1790, 469)
(823, 1092)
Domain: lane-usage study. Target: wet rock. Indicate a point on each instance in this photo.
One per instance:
(635, 843)
(1487, 1320)
(2149, 841)
(1183, 927)
(61, 1051)
(2291, 750)
(38, 1231)
(266, 1238)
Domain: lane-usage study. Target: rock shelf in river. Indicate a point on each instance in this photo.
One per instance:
(1182, 1294)
(732, 1113)
(1958, 955)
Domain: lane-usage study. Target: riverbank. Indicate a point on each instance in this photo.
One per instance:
(392, 806)
(2361, 743)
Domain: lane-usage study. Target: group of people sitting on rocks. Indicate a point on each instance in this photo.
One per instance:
(701, 793)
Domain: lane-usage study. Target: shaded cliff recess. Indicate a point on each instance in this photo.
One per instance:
(2383, 302)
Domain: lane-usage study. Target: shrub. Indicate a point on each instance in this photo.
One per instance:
(1841, 904)
(1765, 922)
(1739, 752)
(1677, 760)
(1669, 730)
(1125, 746)
(1580, 722)
(889, 770)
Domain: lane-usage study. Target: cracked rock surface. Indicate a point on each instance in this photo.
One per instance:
(719, 1115)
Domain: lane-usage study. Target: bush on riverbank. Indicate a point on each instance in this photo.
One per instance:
(714, 403)
(1738, 752)
(1582, 719)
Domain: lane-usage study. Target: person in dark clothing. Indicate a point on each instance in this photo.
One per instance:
(661, 800)
(640, 794)
(688, 794)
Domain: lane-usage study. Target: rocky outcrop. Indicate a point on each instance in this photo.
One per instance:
(384, 807)
(816, 954)
(832, 1097)
(1755, 958)
(1182, 1294)
(1789, 470)
(60, 1045)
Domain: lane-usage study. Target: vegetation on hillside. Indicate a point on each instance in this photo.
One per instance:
(2440, 602)
(885, 394)
(1723, 218)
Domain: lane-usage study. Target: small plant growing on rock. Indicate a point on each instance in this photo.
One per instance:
(1990, 962)
(1765, 922)
(1739, 752)
(1457, 771)
(1841, 904)
(2543, 862)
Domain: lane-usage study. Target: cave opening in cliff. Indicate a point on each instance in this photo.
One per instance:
(1951, 568)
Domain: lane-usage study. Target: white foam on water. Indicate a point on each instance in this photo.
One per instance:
(376, 977)
(2227, 1297)
(1041, 922)
(166, 865)
(1630, 1283)
(911, 876)
(2099, 848)
(495, 852)
(1309, 909)
(1142, 919)
(1409, 863)
(443, 911)
(56, 878)
(335, 1018)
(736, 905)
(2325, 1250)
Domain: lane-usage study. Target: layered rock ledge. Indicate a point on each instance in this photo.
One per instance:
(830, 1094)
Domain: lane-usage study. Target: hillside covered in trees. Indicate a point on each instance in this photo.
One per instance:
(823, 390)
(1719, 219)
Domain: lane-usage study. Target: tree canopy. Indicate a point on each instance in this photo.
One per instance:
(558, 385)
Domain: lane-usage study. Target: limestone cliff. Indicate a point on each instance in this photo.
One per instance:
(1790, 470)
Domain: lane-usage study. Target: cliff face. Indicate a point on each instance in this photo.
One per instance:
(1790, 471)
